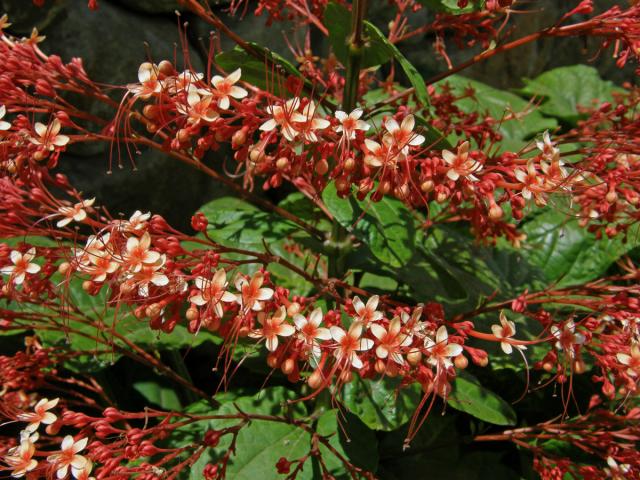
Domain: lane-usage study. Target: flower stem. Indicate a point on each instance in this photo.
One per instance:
(339, 236)
(354, 61)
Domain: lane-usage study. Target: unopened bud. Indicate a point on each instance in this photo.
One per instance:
(238, 138)
(427, 186)
(461, 362)
(495, 212)
(414, 357)
(282, 163)
(322, 167)
(294, 308)
(166, 67)
(288, 366)
(272, 360)
(192, 313)
(183, 135)
(315, 379)
(256, 155)
(349, 164)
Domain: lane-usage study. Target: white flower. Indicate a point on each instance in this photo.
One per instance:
(377, 154)
(252, 293)
(3, 125)
(83, 473)
(212, 292)
(102, 264)
(391, 340)
(367, 313)
(567, 338)
(184, 81)
(403, 135)
(531, 182)
(283, 116)
(136, 223)
(350, 123)
(556, 173)
(224, 87)
(150, 274)
(138, 254)
(441, 350)
(631, 361)
(460, 164)
(616, 471)
(48, 135)
(27, 435)
(22, 265)
(505, 330)
(20, 460)
(68, 456)
(198, 108)
(310, 331)
(39, 415)
(272, 328)
(546, 146)
(349, 343)
(311, 122)
(149, 84)
(76, 213)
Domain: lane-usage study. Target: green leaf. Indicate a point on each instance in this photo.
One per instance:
(471, 397)
(349, 437)
(569, 90)
(257, 72)
(337, 19)
(160, 395)
(260, 444)
(102, 321)
(238, 224)
(451, 6)
(386, 227)
(381, 404)
(566, 252)
(498, 103)
(421, 93)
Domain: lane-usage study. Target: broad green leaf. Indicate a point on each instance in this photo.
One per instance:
(238, 224)
(442, 264)
(570, 90)
(337, 19)
(386, 227)
(349, 437)
(497, 104)
(566, 252)
(260, 444)
(471, 397)
(381, 404)
(158, 394)
(257, 72)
